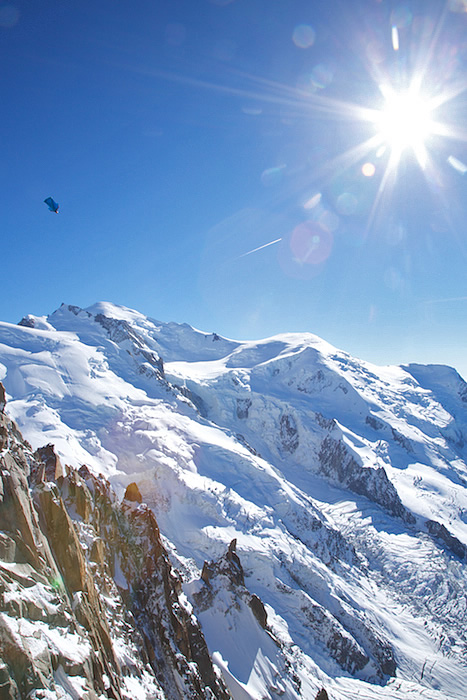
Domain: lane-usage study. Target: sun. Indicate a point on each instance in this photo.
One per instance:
(405, 122)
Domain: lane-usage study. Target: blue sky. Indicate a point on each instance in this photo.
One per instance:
(180, 135)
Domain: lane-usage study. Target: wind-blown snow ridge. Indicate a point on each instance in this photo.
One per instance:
(343, 483)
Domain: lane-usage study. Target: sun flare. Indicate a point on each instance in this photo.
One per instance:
(405, 122)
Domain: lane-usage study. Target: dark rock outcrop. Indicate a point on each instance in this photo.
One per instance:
(27, 322)
(337, 463)
(228, 571)
(322, 695)
(2, 398)
(229, 565)
(243, 407)
(442, 534)
(289, 439)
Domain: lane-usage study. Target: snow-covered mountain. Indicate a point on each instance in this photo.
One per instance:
(314, 505)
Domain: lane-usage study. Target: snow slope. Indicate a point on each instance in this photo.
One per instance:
(343, 483)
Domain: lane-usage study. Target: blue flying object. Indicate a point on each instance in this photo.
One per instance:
(53, 206)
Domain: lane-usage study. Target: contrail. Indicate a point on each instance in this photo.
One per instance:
(259, 248)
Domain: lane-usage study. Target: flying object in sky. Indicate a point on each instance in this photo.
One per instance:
(260, 248)
(53, 206)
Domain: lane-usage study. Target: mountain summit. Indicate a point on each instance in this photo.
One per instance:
(280, 519)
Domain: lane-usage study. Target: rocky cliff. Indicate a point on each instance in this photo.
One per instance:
(90, 606)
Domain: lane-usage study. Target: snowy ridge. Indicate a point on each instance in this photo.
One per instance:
(343, 483)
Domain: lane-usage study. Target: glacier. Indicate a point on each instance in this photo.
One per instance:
(342, 484)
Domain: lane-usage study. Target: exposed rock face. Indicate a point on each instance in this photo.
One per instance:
(119, 332)
(53, 468)
(341, 645)
(89, 603)
(337, 463)
(440, 532)
(27, 321)
(228, 571)
(133, 493)
(288, 433)
(322, 695)
(2, 398)
(243, 407)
